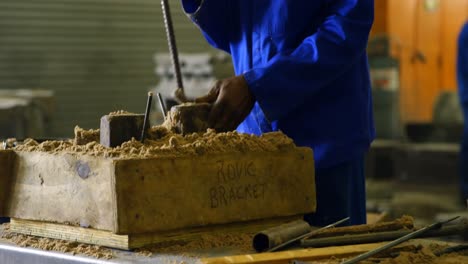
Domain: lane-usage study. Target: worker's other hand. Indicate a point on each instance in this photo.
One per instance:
(232, 102)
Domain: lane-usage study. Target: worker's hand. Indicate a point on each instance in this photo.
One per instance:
(232, 102)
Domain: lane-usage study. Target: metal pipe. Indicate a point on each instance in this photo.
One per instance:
(281, 236)
(270, 238)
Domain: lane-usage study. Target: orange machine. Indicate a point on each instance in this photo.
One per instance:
(424, 39)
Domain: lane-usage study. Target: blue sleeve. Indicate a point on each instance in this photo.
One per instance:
(289, 77)
(213, 18)
(462, 63)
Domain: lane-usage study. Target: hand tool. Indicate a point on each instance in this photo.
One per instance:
(398, 241)
(197, 113)
(179, 93)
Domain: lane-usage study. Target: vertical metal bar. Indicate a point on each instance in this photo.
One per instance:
(146, 120)
(162, 106)
(173, 47)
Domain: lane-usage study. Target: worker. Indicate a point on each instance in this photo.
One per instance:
(301, 68)
(462, 76)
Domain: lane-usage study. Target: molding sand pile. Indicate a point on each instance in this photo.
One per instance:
(163, 142)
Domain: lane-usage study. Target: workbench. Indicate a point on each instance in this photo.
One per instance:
(13, 254)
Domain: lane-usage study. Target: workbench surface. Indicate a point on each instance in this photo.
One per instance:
(13, 254)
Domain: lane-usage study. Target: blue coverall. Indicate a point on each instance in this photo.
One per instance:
(306, 65)
(462, 76)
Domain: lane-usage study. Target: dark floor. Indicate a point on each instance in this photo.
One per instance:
(421, 180)
(425, 203)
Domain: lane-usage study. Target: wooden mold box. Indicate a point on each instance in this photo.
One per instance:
(140, 196)
(7, 158)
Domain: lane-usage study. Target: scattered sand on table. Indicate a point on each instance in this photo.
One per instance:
(413, 254)
(426, 255)
(418, 255)
(240, 242)
(454, 258)
(163, 142)
(73, 248)
(422, 256)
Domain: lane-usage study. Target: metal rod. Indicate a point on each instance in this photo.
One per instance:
(381, 236)
(173, 48)
(146, 120)
(307, 235)
(397, 241)
(162, 105)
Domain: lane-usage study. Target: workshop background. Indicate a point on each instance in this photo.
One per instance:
(67, 62)
(94, 55)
